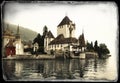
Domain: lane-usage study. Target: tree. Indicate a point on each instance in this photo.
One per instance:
(103, 50)
(96, 46)
(38, 40)
(81, 41)
(90, 47)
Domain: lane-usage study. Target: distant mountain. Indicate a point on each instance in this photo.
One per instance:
(25, 33)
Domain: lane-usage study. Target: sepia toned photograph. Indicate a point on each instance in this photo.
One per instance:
(74, 41)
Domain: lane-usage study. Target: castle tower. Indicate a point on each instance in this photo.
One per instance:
(48, 38)
(66, 27)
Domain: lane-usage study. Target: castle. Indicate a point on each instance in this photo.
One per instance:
(65, 38)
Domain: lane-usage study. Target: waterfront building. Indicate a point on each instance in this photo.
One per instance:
(65, 39)
(10, 48)
(7, 36)
(12, 44)
(35, 47)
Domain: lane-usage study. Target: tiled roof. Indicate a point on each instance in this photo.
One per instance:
(61, 36)
(65, 20)
(61, 40)
(50, 35)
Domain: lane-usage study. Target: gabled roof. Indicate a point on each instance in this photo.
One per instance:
(8, 32)
(61, 40)
(65, 20)
(49, 34)
(61, 36)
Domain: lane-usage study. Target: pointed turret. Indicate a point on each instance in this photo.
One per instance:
(65, 20)
(18, 33)
(66, 27)
(18, 29)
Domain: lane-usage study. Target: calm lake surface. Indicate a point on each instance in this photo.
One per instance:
(73, 69)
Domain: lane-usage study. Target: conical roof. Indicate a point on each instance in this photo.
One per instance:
(65, 20)
(49, 34)
(18, 33)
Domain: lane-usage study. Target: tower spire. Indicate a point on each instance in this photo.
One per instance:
(18, 29)
(18, 33)
(82, 31)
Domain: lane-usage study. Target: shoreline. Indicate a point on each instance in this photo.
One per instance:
(30, 57)
(48, 56)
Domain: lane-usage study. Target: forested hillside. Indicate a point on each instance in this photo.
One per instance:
(26, 34)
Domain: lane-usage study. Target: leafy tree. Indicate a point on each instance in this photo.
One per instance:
(81, 41)
(103, 50)
(38, 40)
(90, 47)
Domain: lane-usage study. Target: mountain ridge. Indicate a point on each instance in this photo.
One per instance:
(25, 33)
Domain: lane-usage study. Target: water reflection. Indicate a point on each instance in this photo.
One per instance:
(88, 69)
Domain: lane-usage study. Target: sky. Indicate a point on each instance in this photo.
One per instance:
(98, 20)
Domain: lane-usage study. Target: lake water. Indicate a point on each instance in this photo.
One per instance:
(60, 70)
